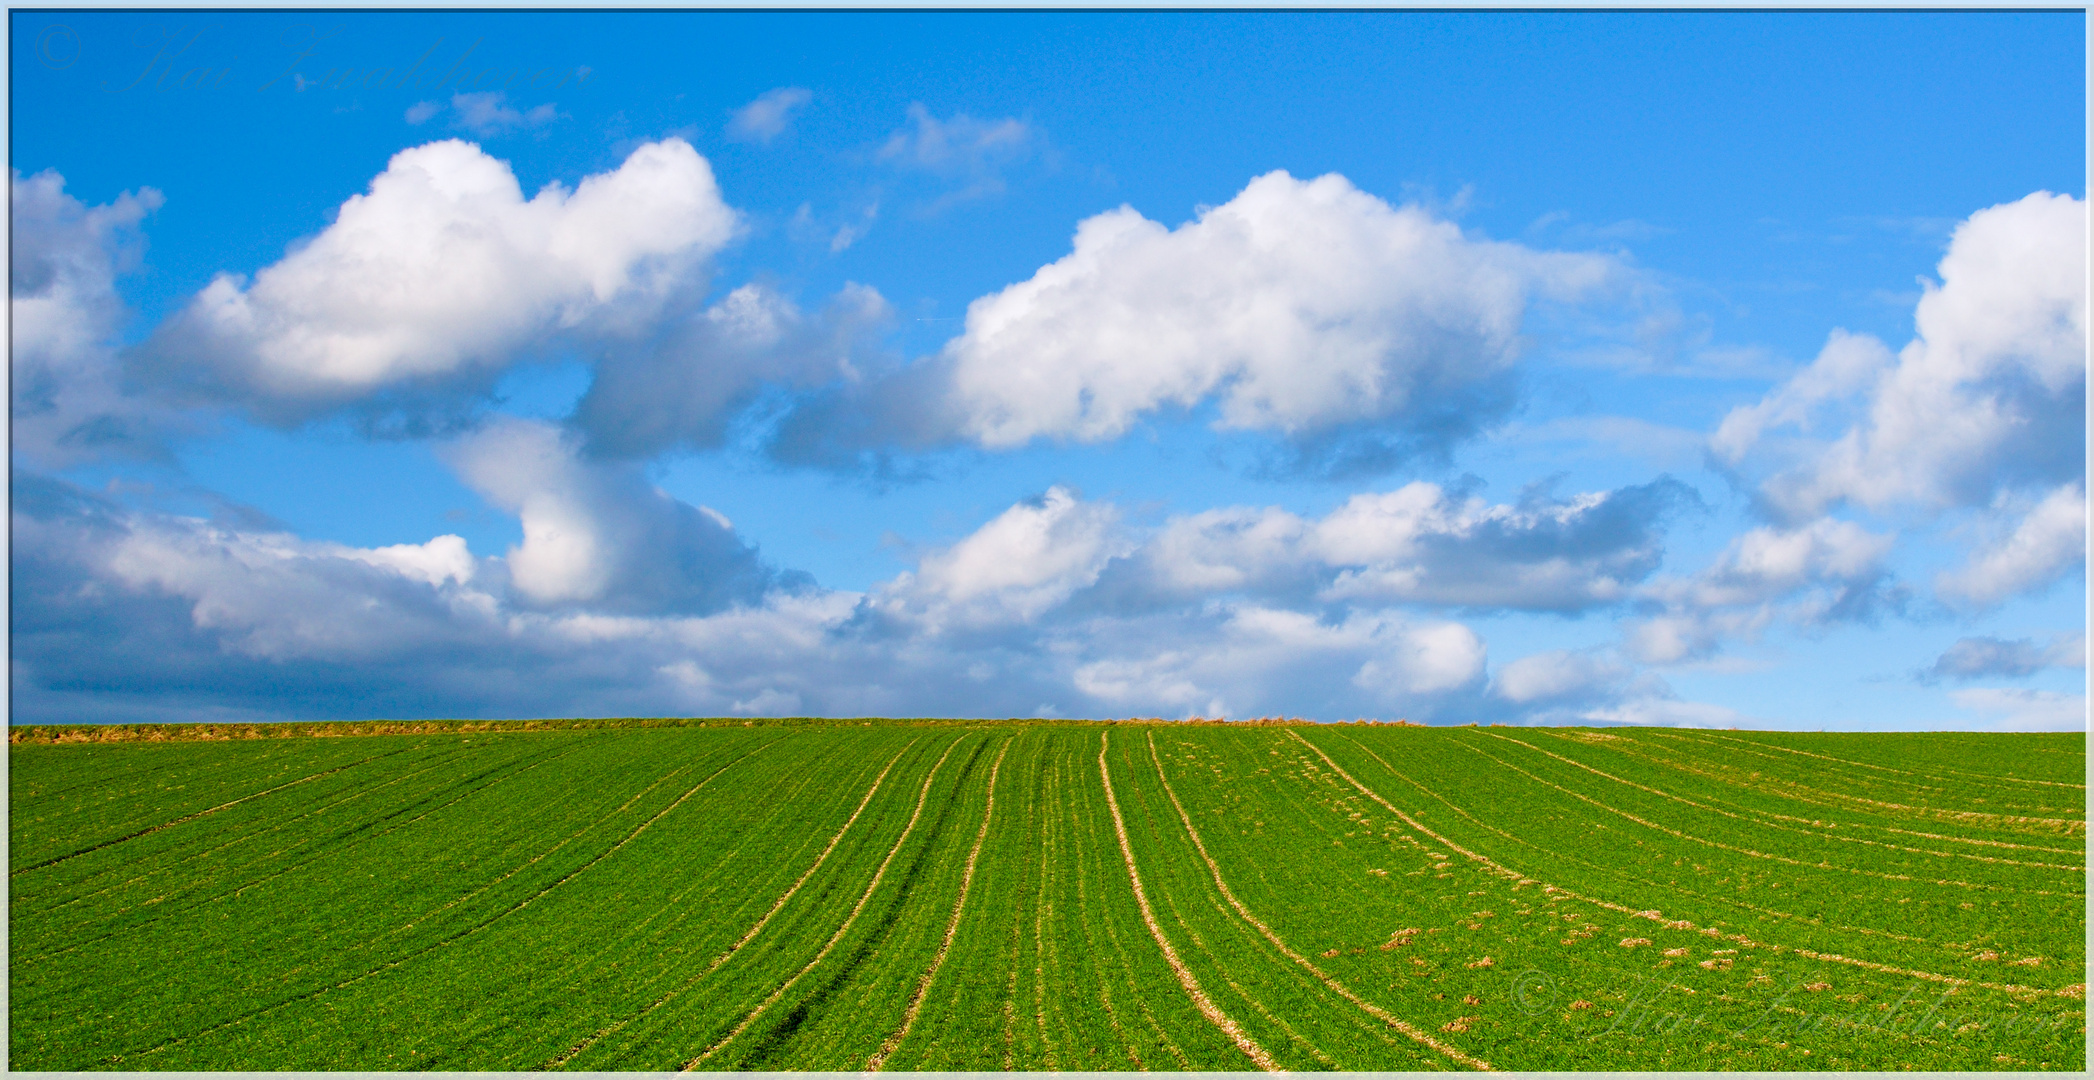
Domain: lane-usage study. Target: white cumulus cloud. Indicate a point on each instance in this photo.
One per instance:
(597, 535)
(1296, 306)
(2046, 543)
(444, 270)
(1823, 572)
(1990, 395)
(1028, 559)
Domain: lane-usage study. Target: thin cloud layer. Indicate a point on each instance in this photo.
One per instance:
(152, 610)
(769, 115)
(1417, 545)
(684, 388)
(1992, 658)
(615, 581)
(2030, 551)
(964, 150)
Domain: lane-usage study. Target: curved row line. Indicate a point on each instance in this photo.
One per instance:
(476, 928)
(1762, 854)
(1651, 914)
(1672, 887)
(148, 831)
(1886, 768)
(1334, 985)
(879, 1058)
(1936, 811)
(751, 933)
(1186, 979)
(921, 796)
(1682, 766)
(1770, 825)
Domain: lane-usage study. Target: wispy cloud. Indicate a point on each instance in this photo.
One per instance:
(975, 153)
(485, 114)
(1993, 658)
(769, 116)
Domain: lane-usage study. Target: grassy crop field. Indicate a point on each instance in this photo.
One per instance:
(945, 895)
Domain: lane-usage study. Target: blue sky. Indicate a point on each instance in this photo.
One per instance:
(1660, 368)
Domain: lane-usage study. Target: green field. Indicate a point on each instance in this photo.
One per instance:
(1049, 896)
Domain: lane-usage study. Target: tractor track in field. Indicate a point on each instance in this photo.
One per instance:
(474, 929)
(279, 873)
(1653, 914)
(750, 934)
(1751, 853)
(234, 842)
(952, 927)
(149, 830)
(1980, 817)
(1090, 911)
(1119, 947)
(823, 987)
(1784, 828)
(1990, 777)
(1409, 1030)
(1669, 887)
(754, 1014)
(1642, 753)
(1206, 1005)
(1043, 909)
(365, 910)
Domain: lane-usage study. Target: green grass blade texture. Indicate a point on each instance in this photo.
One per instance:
(963, 896)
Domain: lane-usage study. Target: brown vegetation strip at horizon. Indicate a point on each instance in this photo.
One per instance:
(853, 895)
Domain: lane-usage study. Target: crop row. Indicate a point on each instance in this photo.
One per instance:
(1108, 897)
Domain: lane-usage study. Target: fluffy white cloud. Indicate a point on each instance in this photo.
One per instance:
(1558, 675)
(1029, 559)
(1425, 660)
(1826, 571)
(158, 612)
(1420, 544)
(769, 115)
(1247, 660)
(2047, 543)
(598, 535)
(64, 316)
(1849, 364)
(441, 559)
(1990, 395)
(443, 270)
(1297, 305)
